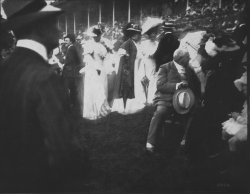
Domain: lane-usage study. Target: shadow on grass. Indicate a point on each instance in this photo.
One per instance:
(116, 146)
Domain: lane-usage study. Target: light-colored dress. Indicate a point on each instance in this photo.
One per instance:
(236, 127)
(95, 103)
(147, 67)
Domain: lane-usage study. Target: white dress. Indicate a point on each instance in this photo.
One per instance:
(147, 67)
(236, 127)
(95, 103)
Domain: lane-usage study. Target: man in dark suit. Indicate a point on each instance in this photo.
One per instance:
(71, 68)
(167, 45)
(39, 150)
(171, 76)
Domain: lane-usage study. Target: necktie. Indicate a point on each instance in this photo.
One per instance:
(183, 75)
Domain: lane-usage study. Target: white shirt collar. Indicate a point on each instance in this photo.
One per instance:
(179, 68)
(35, 46)
(134, 42)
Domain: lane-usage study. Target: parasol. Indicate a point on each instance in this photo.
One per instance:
(145, 83)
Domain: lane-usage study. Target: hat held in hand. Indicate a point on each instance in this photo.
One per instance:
(183, 100)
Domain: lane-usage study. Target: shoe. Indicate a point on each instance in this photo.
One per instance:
(148, 153)
(214, 156)
(150, 147)
(151, 150)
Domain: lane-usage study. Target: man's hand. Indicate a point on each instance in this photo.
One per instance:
(182, 84)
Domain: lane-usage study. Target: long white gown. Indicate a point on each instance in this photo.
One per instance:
(95, 103)
(147, 67)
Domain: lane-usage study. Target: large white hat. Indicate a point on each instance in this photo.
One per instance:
(150, 23)
(94, 31)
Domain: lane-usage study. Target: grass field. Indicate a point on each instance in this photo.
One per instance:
(119, 164)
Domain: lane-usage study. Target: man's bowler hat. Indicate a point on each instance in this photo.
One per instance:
(167, 25)
(72, 37)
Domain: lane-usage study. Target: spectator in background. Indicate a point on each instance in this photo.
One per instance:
(39, 150)
(71, 68)
(167, 45)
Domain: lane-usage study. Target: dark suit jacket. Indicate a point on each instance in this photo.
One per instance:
(72, 63)
(127, 63)
(166, 47)
(36, 135)
(167, 79)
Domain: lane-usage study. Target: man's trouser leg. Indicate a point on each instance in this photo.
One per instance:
(157, 122)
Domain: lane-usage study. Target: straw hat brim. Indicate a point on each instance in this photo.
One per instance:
(132, 29)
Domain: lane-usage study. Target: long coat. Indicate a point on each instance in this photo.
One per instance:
(36, 135)
(125, 74)
(72, 62)
(166, 47)
(167, 79)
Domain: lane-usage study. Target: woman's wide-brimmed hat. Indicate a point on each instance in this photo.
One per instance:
(150, 23)
(23, 12)
(183, 100)
(94, 31)
(134, 27)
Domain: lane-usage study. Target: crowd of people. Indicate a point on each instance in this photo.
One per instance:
(143, 65)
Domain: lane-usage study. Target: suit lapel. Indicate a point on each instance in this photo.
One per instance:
(175, 71)
(188, 74)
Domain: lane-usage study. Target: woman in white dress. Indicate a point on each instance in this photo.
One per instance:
(95, 103)
(147, 65)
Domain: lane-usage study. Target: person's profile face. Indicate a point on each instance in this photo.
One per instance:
(137, 37)
(244, 88)
(97, 38)
(185, 60)
(67, 41)
(152, 36)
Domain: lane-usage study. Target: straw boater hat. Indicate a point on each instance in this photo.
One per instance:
(167, 25)
(134, 27)
(150, 23)
(183, 100)
(20, 13)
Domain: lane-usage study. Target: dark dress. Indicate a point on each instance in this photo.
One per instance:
(124, 84)
(166, 47)
(37, 142)
(220, 99)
